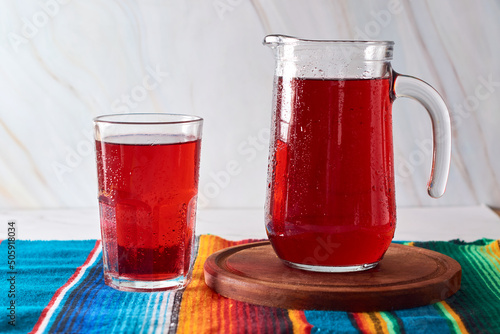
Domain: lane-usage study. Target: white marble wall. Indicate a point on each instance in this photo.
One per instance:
(64, 62)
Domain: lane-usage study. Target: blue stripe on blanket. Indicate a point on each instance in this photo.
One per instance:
(330, 322)
(93, 307)
(39, 273)
(425, 319)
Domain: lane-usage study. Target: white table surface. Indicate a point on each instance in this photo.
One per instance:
(415, 224)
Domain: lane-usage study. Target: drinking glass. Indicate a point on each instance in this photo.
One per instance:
(148, 167)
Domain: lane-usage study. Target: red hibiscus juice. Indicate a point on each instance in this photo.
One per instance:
(147, 199)
(331, 199)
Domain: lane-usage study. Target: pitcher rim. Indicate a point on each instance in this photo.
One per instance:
(286, 39)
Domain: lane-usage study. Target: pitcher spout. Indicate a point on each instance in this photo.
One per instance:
(274, 41)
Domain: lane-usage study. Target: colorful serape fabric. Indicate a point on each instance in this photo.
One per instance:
(59, 288)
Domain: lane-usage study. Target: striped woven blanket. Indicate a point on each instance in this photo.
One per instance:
(59, 288)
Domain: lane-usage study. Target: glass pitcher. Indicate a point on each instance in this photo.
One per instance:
(330, 203)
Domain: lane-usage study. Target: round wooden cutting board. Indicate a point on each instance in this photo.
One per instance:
(406, 277)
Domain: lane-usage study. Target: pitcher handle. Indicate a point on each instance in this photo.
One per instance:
(407, 86)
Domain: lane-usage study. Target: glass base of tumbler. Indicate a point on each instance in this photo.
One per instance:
(331, 269)
(124, 284)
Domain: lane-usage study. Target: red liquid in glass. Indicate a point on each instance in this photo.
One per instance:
(147, 198)
(331, 199)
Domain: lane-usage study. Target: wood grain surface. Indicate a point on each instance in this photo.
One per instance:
(406, 277)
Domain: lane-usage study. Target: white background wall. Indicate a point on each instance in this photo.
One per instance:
(64, 62)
